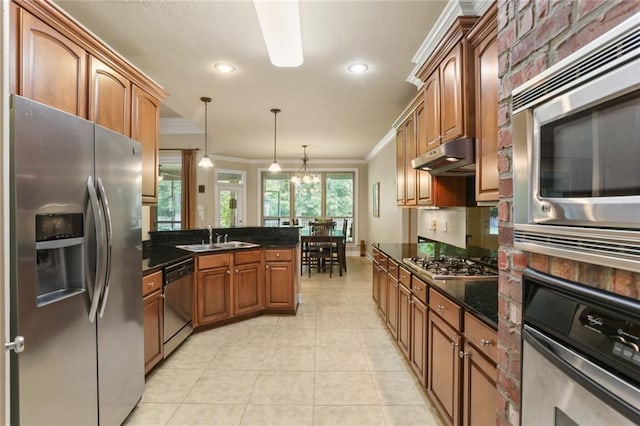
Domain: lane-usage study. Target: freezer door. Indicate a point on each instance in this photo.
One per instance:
(120, 336)
(54, 380)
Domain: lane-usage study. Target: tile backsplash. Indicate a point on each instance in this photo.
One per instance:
(460, 226)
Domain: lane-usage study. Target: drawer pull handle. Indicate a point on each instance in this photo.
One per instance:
(416, 289)
(440, 307)
(150, 284)
(403, 276)
(485, 342)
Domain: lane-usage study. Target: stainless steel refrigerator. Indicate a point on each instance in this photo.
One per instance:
(76, 275)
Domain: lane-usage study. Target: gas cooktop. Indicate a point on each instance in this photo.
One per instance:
(454, 267)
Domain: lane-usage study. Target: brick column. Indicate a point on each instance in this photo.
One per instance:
(532, 36)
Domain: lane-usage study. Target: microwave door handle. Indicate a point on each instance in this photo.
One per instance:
(109, 243)
(99, 232)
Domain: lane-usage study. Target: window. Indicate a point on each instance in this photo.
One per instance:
(169, 209)
(230, 197)
(331, 195)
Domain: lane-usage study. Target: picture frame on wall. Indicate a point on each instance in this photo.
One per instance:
(376, 199)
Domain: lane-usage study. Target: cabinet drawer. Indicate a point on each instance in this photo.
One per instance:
(419, 289)
(480, 335)
(151, 283)
(384, 261)
(444, 307)
(392, 268)
(276, 255)
(247, 256)
(404, 276)
(209, 261)
(376, 255)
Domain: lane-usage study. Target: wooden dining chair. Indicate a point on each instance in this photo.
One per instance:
(318, 250)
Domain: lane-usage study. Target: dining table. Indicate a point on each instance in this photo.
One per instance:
(337, 237)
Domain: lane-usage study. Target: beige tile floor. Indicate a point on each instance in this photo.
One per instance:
(334, 363)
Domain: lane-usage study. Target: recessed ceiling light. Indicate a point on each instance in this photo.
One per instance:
(225, 68)
(358, 68)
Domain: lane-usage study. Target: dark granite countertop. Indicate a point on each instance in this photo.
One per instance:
(480, 297)
(159, 256)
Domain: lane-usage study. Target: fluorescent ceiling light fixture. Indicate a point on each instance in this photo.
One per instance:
(358, 68)
(280, 25)
(224, 68)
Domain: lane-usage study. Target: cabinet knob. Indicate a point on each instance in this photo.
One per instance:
(237, 270)
(267, 266)
(454, 344)
(277, 254)
(485, 342)
(228, 272)
(463, 354)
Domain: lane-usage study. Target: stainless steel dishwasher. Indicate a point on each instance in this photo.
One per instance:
(178, 304)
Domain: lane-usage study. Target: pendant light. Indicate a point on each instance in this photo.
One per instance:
(304, 175)
(205, 161)
(275, 167)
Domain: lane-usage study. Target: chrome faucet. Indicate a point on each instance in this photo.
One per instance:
(218, 236)
(209, 227)
(226, 238)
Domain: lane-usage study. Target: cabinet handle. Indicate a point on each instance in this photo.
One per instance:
(463, 354)
(228, 272)
(440, 307)
(416, 288)
(267, 266)
(237, 270)
(485, 342)
(150, 284)
(454, 344)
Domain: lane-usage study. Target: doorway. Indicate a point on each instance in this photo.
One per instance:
(230, 198)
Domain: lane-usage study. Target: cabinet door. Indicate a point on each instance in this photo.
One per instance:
(419, 324)
(279, 285)
(410, 150)
(109, 98)
(443, 376)
(248, 288)
(486, 61)
(392, 311)
(213, 297)
(404, 319)
(451, 107)
(145, 125)
(375, 283)
(479, 389)
(54, 69)
(152, 316)
(423, 184)
(383, 301)
(400, 188)
(432, 106)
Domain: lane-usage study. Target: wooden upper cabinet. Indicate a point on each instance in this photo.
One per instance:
(432, 106)
(400, 188)
(451, 102)
(483, 40)
(410, 176)
(53, 68)
(145, 125)
(109, 98)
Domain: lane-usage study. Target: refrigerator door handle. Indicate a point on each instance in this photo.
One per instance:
(109, 227)
(100, 249)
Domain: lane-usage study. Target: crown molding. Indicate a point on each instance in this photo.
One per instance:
(178, 126)
(388, 138)
(451, 12)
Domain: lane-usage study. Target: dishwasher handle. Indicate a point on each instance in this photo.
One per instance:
(178, 270)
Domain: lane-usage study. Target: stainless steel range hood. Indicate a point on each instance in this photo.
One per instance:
(453, 158)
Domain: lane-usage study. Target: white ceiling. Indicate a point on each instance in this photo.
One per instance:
(338, 114)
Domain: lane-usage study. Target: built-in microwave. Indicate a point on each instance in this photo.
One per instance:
(576, 130)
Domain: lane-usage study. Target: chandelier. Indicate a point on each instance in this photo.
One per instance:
(303, 174)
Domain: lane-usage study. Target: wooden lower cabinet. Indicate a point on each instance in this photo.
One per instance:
(419, 325)
(376, 282)
(478, 388)
(152, 319)
(213, 295)
(392, 302)
(404, 319)
(383, 300)
(280, 279)
(443, 377)
(248, 282)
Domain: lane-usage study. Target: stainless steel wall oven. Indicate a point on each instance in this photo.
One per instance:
(577, 154)
(581, 354)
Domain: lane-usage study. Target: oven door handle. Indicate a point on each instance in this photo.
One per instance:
(614, 391)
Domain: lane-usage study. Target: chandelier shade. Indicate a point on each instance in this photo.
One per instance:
(304, 175)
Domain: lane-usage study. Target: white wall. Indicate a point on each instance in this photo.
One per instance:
(392, 225)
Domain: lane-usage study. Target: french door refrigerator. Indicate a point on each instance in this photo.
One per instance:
(75, 293)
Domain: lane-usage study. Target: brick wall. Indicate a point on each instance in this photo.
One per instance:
(532, 36)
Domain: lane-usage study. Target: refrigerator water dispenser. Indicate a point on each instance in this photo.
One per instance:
(59, 257)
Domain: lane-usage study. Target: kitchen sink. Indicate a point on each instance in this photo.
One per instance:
(198, 248)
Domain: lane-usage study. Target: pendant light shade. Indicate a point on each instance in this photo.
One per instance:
(205, 161)
(275, 167)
